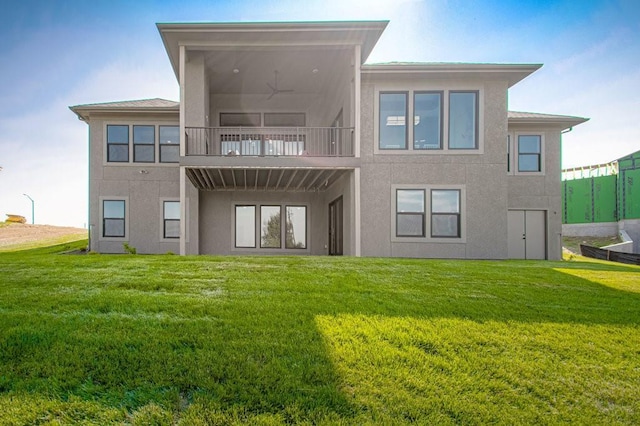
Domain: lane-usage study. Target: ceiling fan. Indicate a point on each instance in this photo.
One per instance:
(274, 88)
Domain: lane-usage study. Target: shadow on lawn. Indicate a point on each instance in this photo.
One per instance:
(242, 340)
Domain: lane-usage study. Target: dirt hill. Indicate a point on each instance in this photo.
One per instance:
(17, 233)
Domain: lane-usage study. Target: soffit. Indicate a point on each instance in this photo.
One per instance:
(264, 35)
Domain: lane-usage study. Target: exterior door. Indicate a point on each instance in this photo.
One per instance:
(526, 233)
(335, 227)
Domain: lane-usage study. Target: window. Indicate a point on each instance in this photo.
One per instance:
(118, 144)
(410, 210)
(296, 227)
(171, 218)
(240, 119)
(270, 230)
(427, 124)
(529, 153)
(169, 144)
(144, 138)
(508, 153)
(284, 119)
(445, 213)
(463, 120)
(113, 218)
(246, 226)
(276, 222)
(393, 120)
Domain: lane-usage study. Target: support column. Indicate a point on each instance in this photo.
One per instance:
(356, 102)
(356, 207)
(183, 211)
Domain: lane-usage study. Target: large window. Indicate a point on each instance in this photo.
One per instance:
(410, 209)
(276, 223)
(393, 120)
(445, 213)
(427, 123)
(529, 153)
(463, 120)
(270, 230)
(169, 144)
(246, 226)
(117, 143)
(171, 219)
(296, 227)
(113, 218)
(284, 119)
(144, 144)
(240, 119)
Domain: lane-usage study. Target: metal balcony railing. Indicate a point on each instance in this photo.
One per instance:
(270, 141)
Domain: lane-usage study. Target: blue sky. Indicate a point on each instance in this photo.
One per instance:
(56, 54)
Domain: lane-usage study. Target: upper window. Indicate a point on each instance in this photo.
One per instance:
(529, 153)
(169, 144)
(284, 119)
(427, 124)
(445, 213)
(393, 120)
(118, 143)
(239, 119)
(113, 218)
(144, 140)
(463, 120)
(410, 209)
(171, 219)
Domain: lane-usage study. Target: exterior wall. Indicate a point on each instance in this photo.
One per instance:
(540, 191)
(632, 228)
(601, 229)
(481, 175)
(143, 186)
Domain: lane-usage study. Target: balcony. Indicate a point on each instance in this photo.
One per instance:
(270, 141)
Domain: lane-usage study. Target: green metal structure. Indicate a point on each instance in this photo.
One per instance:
(602, 193)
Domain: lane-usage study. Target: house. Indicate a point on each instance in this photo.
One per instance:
(286, 142)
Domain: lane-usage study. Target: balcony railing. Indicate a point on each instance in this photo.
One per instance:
(270, 141)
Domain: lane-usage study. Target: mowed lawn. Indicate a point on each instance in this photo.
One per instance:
(131, 339)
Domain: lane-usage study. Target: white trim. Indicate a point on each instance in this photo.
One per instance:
(411, 89)
(101, 200)
(427, 214)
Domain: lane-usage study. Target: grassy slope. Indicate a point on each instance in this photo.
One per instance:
(101, 339)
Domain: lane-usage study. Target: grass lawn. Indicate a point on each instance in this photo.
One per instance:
(124, 339)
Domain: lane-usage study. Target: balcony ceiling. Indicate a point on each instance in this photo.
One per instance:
(307, 71)
(264, 179)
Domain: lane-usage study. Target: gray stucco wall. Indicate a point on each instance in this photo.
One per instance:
(480, 175)
(143, 186)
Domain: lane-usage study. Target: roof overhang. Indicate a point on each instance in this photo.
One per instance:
(561, 122)
(203, 36)
(144, 106)
(513, 73)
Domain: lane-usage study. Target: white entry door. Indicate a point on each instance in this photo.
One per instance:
(527, 230)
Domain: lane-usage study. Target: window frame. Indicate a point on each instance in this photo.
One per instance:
(143, 144)
(440, 93)
(422, 213)
(517, 154)
(279, 213)
(476, 118)
(427, 221)
(417, 87)
(406, 116)
(109, 144)
(125, 219)
(165, 144)
(257, 228)
(165, 220)
(434, 213)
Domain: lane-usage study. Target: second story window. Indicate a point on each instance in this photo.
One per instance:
(427, 122)
(144, 138)
(118, 144)
(169, 144)
(529, 153)
(463, 120)
(393, 120)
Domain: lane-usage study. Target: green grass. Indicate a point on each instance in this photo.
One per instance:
(45, 242)
(124, 339)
